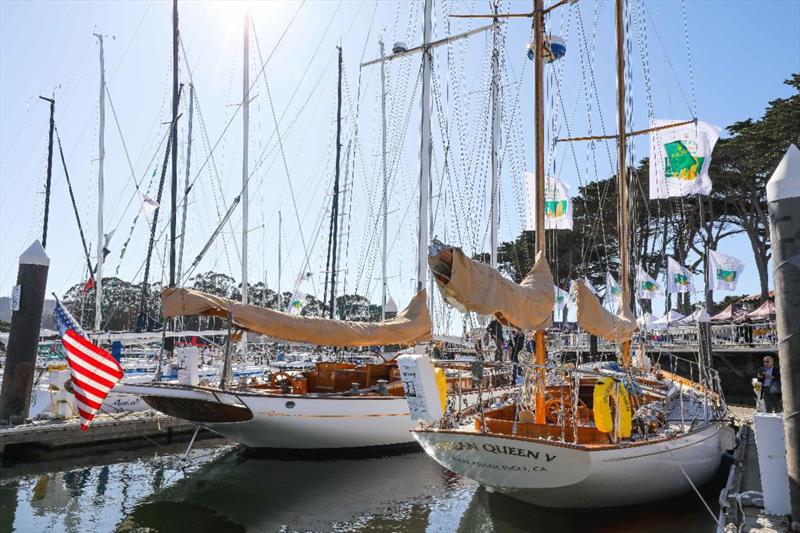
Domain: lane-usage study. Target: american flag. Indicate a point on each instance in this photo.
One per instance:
(93, 370)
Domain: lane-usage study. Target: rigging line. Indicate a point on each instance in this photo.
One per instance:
(666, 58)
(238, 106)
(286, 166)
(130, 41)
(127, 158)
(74, 205)
(299, 82)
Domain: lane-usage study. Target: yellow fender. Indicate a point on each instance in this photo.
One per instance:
(441, 385)
(604, 389)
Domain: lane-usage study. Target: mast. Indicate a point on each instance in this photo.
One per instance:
(385, 184)
(495, 209)
(425, 152)
(280, 260)
(245, 155)
(49, 169)
(335, 207)
(101, 156)
(540, 355)
(174, 180)
(622, 171)
(186, 182)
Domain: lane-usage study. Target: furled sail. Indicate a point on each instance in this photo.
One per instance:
(472, 286)
(411, 325)
(598, 320)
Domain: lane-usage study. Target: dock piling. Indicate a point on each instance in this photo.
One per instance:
(783, 197)
(23, 340)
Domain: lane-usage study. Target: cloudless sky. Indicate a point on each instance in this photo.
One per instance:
(739, 54)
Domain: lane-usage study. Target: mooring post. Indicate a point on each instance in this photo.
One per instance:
(783, 197)
(26, 303)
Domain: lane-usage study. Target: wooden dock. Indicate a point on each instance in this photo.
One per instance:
(741, 503)
(46, 438)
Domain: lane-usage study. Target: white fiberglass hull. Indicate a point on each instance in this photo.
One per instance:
(299, 422)
(554, 475)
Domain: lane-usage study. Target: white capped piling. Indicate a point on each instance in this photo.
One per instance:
(23, 340)
(783, 197)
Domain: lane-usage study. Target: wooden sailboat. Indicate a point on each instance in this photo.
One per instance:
(591, 435)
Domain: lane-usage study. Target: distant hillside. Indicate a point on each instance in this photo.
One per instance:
(48, 315)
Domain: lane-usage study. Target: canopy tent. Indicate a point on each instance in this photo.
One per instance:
(732, 313)
(645, 320)
(765, 312)
(411, 325)
(670, 318)
(700, 315)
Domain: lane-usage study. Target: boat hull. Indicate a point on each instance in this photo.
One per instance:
(564, 476)
(284, 422)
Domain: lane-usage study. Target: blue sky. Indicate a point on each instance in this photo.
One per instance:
(740, 51)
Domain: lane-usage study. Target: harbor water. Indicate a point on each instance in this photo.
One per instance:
(220, 489)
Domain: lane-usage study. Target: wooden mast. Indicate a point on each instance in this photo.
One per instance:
(622, 172)
(540, 354)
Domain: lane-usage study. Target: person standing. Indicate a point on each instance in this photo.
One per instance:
(770, 377)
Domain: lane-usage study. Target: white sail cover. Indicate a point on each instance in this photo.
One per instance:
(477, 287)
(597, 320)
(680, 158)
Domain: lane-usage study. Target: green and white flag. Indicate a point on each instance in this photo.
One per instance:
(613, 291)
(679, 278)
(557, 203)
(646, 287)
(297, 302)
(680, 158)
(561, 300)
(724, 271)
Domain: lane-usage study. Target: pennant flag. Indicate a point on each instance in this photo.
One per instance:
(724, 271)
(93, 371)
(297, 302)
(646, 287)
(680, 158)
(557, 203)
(613, 291)
(149, 205)
(679, 278)
(561, 300)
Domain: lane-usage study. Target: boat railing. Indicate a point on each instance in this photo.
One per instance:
(654, 392)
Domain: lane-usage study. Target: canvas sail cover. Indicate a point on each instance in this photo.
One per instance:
(411, 325)
(598, 320)
(472, 286)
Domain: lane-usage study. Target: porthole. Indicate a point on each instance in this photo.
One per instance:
(290, 404)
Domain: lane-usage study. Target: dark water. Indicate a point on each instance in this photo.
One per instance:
(221, 490)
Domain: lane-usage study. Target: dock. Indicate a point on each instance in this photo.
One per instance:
(741, 503)
(46, 438)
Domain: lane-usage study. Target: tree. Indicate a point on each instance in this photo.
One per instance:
(743, 163)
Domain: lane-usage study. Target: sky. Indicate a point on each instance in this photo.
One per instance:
(738, 54)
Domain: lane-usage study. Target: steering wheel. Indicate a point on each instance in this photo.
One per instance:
(553, 408)
(281, 380)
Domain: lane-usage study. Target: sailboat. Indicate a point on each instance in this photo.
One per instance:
(337, 405)
(575, 436)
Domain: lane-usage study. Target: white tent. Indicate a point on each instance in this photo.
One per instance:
(645, 320)
(701, 315)
(670, 318)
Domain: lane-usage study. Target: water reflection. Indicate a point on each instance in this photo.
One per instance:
(226, 491)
